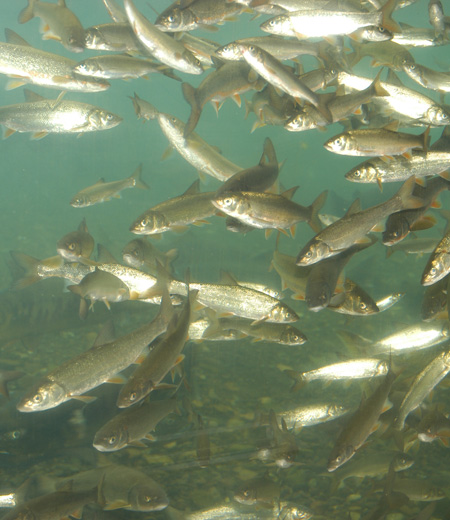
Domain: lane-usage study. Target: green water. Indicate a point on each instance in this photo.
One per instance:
(228, 381)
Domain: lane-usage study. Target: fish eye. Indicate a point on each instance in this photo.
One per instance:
(246, 493)
(251, 48)
(37, 399)
(71, 246)
(171, 18)
(362, 306)
(112, 439)
(133, 396)
(144, 221)
(148, 498)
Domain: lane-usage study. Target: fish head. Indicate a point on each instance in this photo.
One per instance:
(342, 143)
(382, 369)
(318, 296)
(47, 395)
(402, 461)
(436, 115)
(85, 68)
(133, 254)
(131, 394)
(292, 336)
(362, 305)
(79, 201)
(101, 119)
(282, 313)
(397, 227)
(143, 497)
(313, 252)
(375, 33)
(303, 120)
(291, 512)
(278, 25)
(413, 70)
(75, 245)
(171, 125)
(230, 51)
(171, 21)
(74, 40)
(434, 271)
(285, 455)
(245, 495)
(110, 440)
(94, 39)
(234, 204)
(340, 455)
(363, 173)
(149, 223)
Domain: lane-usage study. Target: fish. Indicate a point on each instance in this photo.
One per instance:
(48, 70)
(123, 487)
(375, 142)
(388, 301)
(121, 67)
(292, 275)
(283, 447)
(102, 286)
(326, 23)
(414, 246)
(339, 106)
(58, 23)
(425, 381)
(230, 79)
(354, 225)
(128, 427)
(438, 264)
(5, 377)
(103, 191)
(117, 37)
(261, 491)
(355, 301)
(437, 17)
(434, 301)
(404, 341)
(418, 490)
(428, 78)
(323, 280)
(196, 14)
(163, 357)
(57, 504)
(402, 101)
(399, 168)
(77, 245)
(384, 53)
(142, 254)
(192, 207)
(309, 415)
(361, 368)
(160, 45)
(202, 444)
(360, 425)
(197, 152)
(257, 178)
(400, 224)
(42, 116)
(270, 210)
(434, 425)
(93, 367)
(275, 73)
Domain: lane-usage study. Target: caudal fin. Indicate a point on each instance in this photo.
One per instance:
(27, 13)
(315, 207)
(136, 179)
(408, 201)
(30, 267)
(189, 96)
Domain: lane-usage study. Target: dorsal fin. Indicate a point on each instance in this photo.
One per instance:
(12, 37)
(83, 226)
(104, 256)
(355, 207)
(31, 96)
(288, 194)
(106, 334)
(392, 126)
(393, 78)
(193, 188)
(100, 181)
(227, 278)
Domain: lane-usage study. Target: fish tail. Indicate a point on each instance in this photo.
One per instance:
(189, 96)
(378, 89)
(27, 12)
(315, 207)
(29, 265)
(386, 19)
(136, 179)
(353, 342)
(425, 137)
(407, 200)
(269, 154)
(300, 381)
